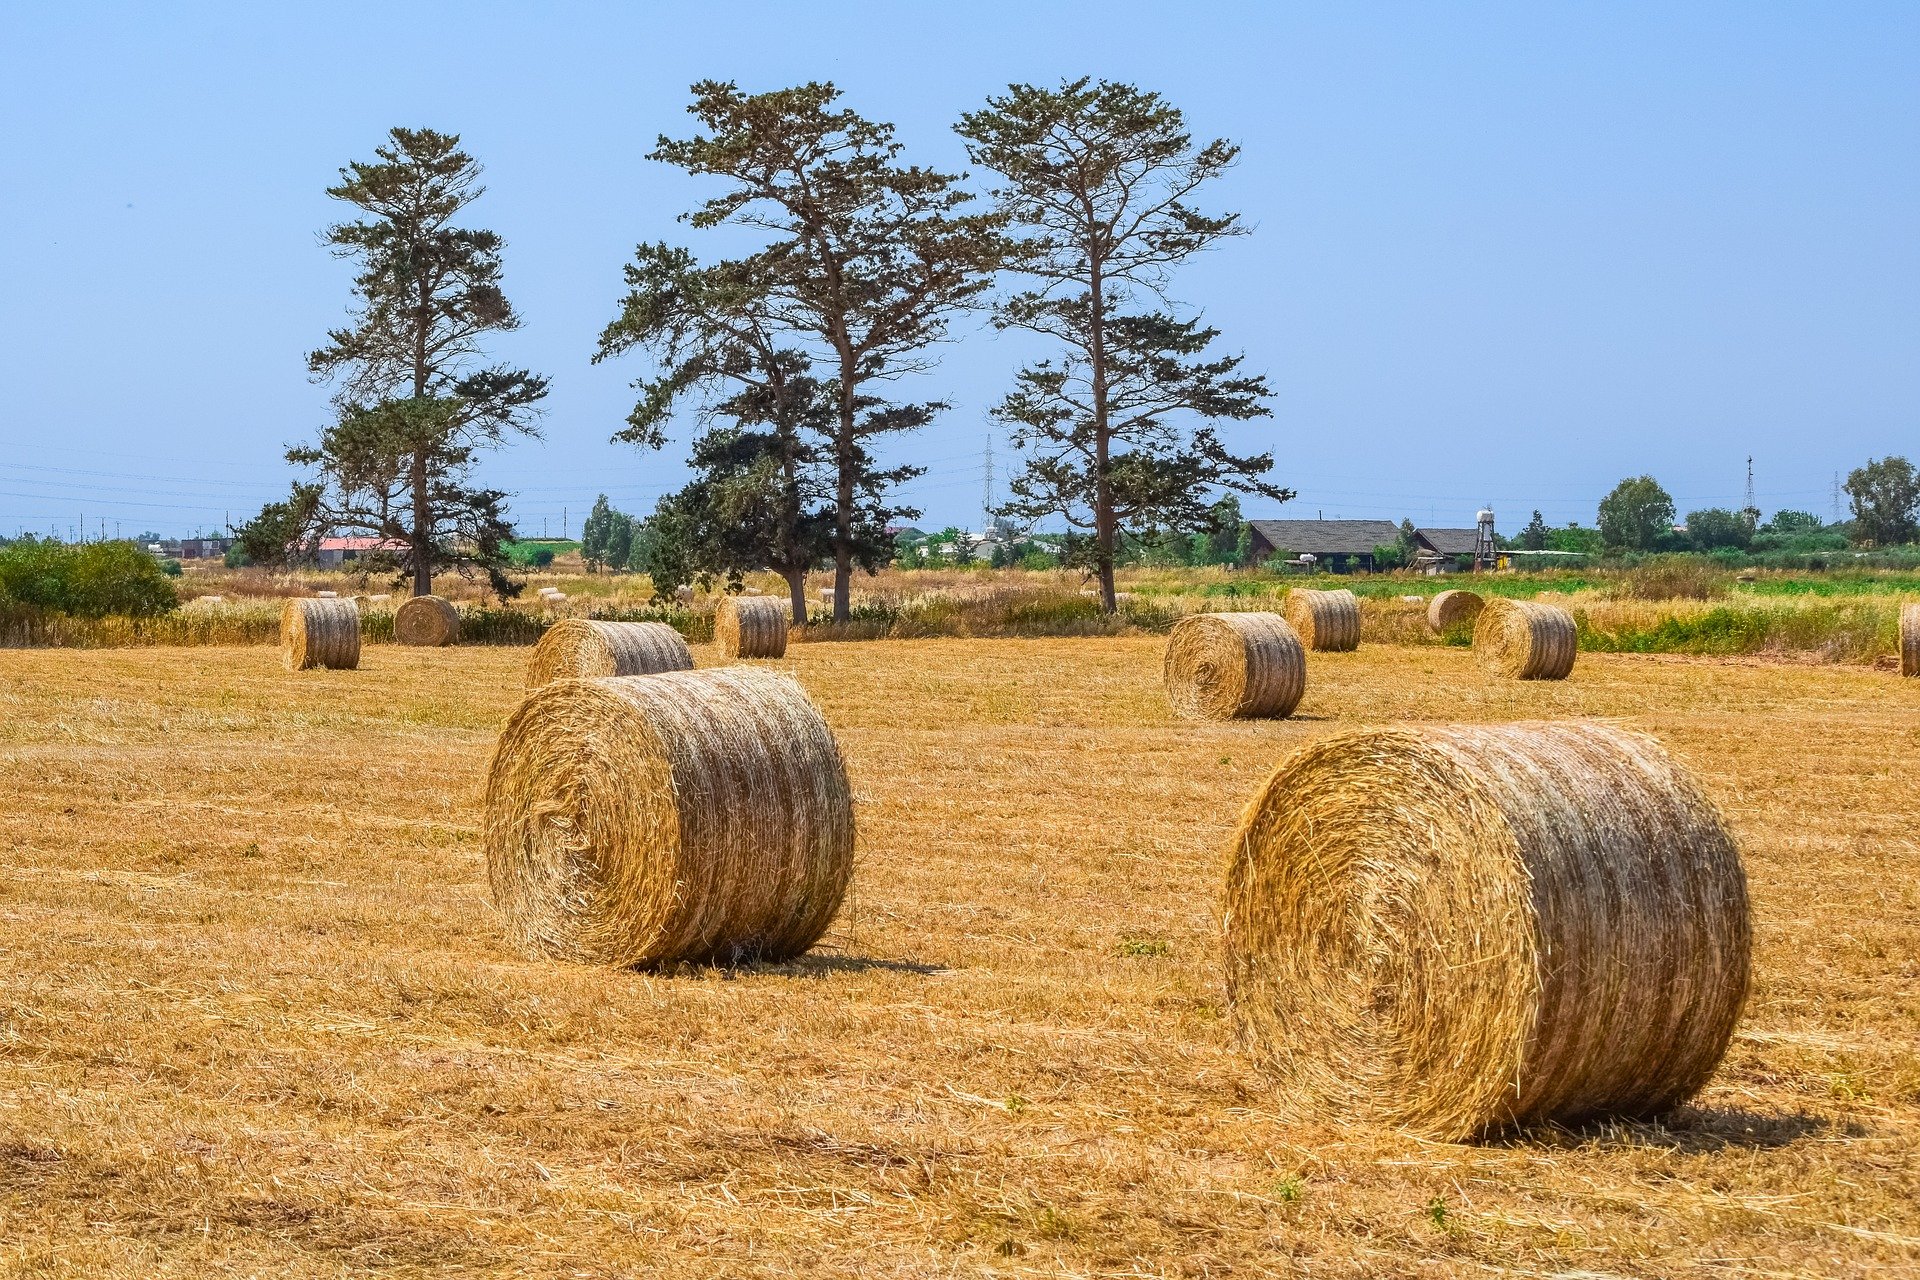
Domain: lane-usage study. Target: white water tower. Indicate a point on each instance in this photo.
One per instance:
(1484, 552)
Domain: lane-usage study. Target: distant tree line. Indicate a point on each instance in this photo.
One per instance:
(1639, 516)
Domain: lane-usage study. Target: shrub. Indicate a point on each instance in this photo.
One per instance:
(88, 580)
(170, 567)
(1671, 578)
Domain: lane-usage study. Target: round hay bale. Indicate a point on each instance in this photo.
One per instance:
(580, 648)
(320, 633)
(1451, 608)
(1463, 929)
(1327, 621)
(426, 620)
(1910, 639)
(1229, 666)
(326, 595)
(379, 599)
(694, 815)
(1526, 639)
(751, 627)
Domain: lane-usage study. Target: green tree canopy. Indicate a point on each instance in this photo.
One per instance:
(1636, 515)
(1886, 497)
(1718, 527)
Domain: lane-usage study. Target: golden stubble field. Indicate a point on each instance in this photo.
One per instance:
(256, 1015)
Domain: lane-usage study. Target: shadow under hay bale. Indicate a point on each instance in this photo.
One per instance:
(1226, 666)
(1326, 621)
(751, 627)
(427, 620)
(1910, 639)
(580, 648)
(320, 633)
(689, 816)
(1526, 640)
(1453, 608)
(1463, 929)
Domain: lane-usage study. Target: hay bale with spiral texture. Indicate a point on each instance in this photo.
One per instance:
(751, 627)
(320, 633)
(580, 648)
(1457, 930)
(1326, 621)
(1910, 639)
(693, 815)
(1451, 608)
(1228, 666)
(427, 620)
(1526, 639)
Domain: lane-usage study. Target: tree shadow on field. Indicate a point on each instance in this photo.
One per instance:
(1686, 1131)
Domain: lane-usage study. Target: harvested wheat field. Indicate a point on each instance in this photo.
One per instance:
(258, 1015)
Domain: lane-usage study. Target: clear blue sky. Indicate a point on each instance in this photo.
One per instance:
(1504, 252)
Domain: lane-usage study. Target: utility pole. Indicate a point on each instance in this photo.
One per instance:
(986, 493)
(1751, 511)
(563, 524)
(1836, 497)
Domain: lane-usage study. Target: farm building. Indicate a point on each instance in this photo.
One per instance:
(1444, 550)
(1347, 546)
(1339, 546)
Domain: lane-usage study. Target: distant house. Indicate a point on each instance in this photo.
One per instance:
(190, 548)
(334, 552)
(1338, 546)
(1443, 550)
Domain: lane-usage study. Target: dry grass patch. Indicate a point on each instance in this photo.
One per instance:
(258, 1016)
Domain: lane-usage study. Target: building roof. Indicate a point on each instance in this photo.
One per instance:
(1451, 542)
(1327, 537)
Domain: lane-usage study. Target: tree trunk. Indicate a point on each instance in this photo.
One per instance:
(422, 530)
(797, 592)
(843, 496)
(1103, 530)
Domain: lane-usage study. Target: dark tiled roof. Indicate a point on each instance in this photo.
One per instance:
(1327, 537)
(1451, 542)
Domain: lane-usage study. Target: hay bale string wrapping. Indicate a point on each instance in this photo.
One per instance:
(1327, 621)
(751, 627)
(427, 620)
(692, 815)
(320, 633)
(1462, 929)
(1526, 640)
(582, 648)
(1225, 666)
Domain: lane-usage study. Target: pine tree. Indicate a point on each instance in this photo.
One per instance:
(415, 403)
(1096, 181)
(866, 261)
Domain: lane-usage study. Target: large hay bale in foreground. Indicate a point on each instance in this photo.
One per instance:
(751, 627)
(1910, 639)
(1526, 639)
(320, 633)
(1452, 608)
(693, 815)
(1226, 666)
(1461, 929)
(1327, 621)
(580, 648)
(427, 620)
